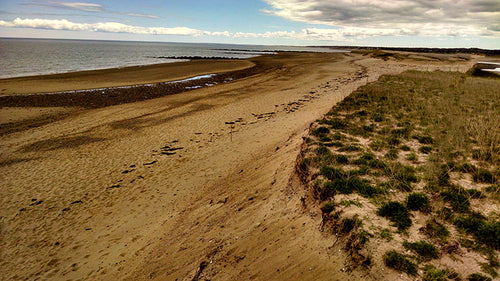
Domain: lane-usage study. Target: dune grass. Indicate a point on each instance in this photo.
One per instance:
(414, 136)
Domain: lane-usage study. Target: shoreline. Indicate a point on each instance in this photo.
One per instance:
(145, 89)
(117, 76)
(35, 74)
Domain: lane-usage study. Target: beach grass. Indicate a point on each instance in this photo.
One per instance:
(425, 143)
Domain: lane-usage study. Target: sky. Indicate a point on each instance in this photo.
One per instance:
(387, 23)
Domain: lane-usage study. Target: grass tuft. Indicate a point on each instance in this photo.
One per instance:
(318, 132)
(478, 277)
(458, 199)
(418, 202)
(399, 262)
(487, 233)
(431, 273)
(425, 149)
(425, 139)
(396, 213)
(425, 250)
(348, 224)
(328, 207)
(483, 176)
(434, 229)
(392, 154)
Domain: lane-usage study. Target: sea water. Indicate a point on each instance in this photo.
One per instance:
(25, 57)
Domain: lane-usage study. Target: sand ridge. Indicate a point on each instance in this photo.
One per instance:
(195, 185)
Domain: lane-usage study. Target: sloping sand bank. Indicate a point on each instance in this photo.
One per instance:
(192, 186)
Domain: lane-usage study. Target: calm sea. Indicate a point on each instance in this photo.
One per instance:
(24, 57)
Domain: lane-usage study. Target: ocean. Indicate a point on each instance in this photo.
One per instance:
(26, 57)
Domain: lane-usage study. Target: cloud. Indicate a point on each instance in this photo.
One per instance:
(86, 7)
(347, 34)
(141, 15)
(417, 17)
(89, 7)
(113, 27)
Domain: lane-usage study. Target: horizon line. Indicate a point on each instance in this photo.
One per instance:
(243, 44)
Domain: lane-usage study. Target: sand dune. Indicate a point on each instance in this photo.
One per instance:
(192, 186)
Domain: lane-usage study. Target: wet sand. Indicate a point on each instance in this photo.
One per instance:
(115, 77)
(192, 186)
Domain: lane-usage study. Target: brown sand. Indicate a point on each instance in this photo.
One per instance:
(99, 194)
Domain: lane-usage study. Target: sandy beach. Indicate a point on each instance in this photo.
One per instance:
(196, 185)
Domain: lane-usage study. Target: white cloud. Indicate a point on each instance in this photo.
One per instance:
(6, 23)
(81, 6)
(47, 24)
(89, 7)
(417, 17)
(113, 27)
(347, 34)
(86, 7)
(142, 15)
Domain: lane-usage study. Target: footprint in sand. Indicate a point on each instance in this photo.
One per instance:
(36, 202)
(168, 150)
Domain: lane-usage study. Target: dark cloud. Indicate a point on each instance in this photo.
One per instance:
(464, 15)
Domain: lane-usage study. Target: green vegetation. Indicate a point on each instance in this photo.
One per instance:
(345, 185)
(328, 207)
(405, 148)
(400, 262)
(397, 213)
(348, 203)
(392, 154)
(386, 234)
(332, 173)
(320, 131)
(487, 233)
(377, 164)
(425, 139)
(443, 176)
(428, 138)
(431, 273)
(402, 176)
(483, 176)
(458, 199)
(485, 267)
(323, 151)
(467, 168)
(341, 159)
(425, 149)
(492, 265)
(348, 224)
(412, 157)
(434, 229)
(478, 277)
(418, 202)
(425, 250)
